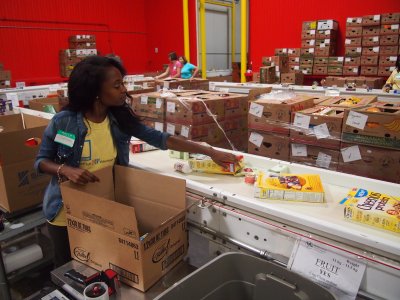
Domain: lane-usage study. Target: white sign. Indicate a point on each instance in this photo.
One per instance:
(159, 126)
(159, 102)
(20, 84)
(359, 20)
(348, 41)
(348, 59)
(327, 32)
(297, 67)
(312, 31)
(171, 107)
(323, 160)
(327, 41)
(256, 139)
(311, 50)
(376, 49)
(349, 20)
(145, 85)
(356, 120)
(375, 38)
(14, 99)
(340, 274)
(302, 121)
(350, 153)
(322, 45)
(355, 70)
(297, 59)
(359, 49)
(377, 17)
(395, 26)
(256, 109)
(393, 58)
(340, 58)
(321, 131)
(144, 100)
(170, 129)
(185, 131)
(312, 42)
(299, 150)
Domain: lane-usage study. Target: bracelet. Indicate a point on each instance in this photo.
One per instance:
(58, 173)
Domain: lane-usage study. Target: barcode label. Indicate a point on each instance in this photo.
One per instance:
(132, 277)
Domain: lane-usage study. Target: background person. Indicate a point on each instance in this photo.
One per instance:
(188, 70)
(174, 67)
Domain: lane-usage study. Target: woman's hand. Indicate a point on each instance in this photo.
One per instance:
(78, 175)
(221, 157)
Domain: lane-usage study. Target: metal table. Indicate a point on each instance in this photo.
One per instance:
(28, 222)
(75, 289)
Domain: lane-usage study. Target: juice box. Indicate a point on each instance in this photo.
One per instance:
(373, 208)
(292, 187)
(207, 165)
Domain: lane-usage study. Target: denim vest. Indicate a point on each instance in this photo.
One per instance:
(72, 122)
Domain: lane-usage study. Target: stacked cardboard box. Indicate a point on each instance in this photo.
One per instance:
(370, 141)
(5, 77)
(187, 84)
(279, 63)
(326, 46)
(371, 27)
(307, 51)
(389, 43)
(294, 60)
(353, 46)
(358, 81)
(80, 46)
(269, 123)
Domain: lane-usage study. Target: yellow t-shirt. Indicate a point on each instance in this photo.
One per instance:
(98, 152)
(394, 79)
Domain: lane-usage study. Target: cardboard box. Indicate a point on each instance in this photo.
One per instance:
(352, 61)
(199, 84)
(324, 50)
(256, 77)
(292, 78)
(307, 43)
(371, 31)
(370, 41)
(82, 38)
(385, 70)
(281, 51)
(5, 75)
(209, 133)
(332, 117)
(194, 110)
(309, 25)
(132, 221)
(369, 71)
(346, 101)
(294, 68)
(308, 34)
(370, 51)
(306, 61)
(381, 128)
(389, 50)
(387, 60)
(354, 22)
(335, 70)
(281, 62)
(353, 42)
(306, 70)
(390, 40)
(268, 145)
(82, 45)
(376, 163)
(351, 70)
(327, 24)
(268, 75)
(173, 83)
(326, 34)
(375, 83)
(319, 98)
(274, 114)
(154, 123)
(41, 104)
(390, 18)
(335, 61)
(21, 186)
(325, 42)
(293, 52)
(371, 20)
(149, 105)
(334, 81)
(369, 60)
(391, 29)
(317, 157)
(321, 61)
(307, 52)
(294, 60)
(353, 32)
(320, 70)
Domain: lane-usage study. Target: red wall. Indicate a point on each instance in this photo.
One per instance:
(275, 24)
(32, 33)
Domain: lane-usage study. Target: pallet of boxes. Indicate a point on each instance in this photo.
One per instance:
(139, 84)
(273, 66)
(179, 83)
(80, 46)
(5, 77)
(389, 43)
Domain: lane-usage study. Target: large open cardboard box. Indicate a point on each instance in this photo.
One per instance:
(21, 186)
(132, 221)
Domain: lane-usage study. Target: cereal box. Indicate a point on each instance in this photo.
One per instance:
(373, 208)
(292, 187)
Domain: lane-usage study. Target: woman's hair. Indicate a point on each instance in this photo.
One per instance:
(85, 84)
(398, 63)
(184, 59)
(173, 56)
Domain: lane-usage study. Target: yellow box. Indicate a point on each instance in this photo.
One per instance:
(373, 208)
(292, 187)
(207, 165)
